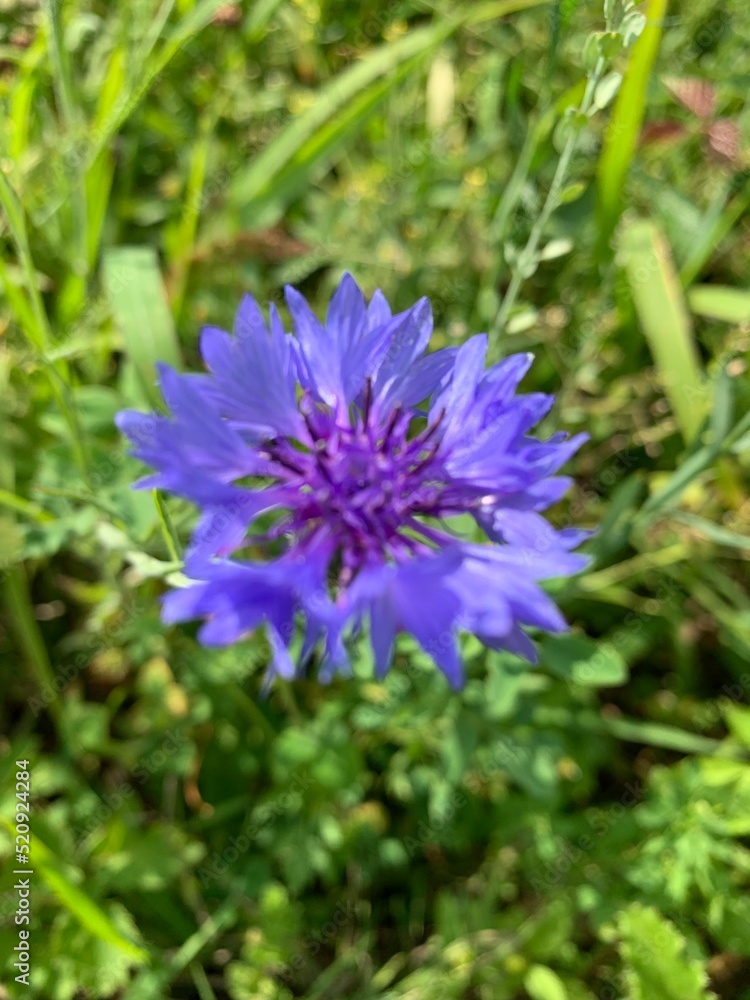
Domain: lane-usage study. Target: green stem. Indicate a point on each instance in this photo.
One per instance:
(32, 644)
(668, 737)
(510, 198)
(286, 693)
(253, 712)
(632, 567)
(512, 191)
(528, 254)
(81, 496)
(167, 528)
(25, 507)
(200, 979)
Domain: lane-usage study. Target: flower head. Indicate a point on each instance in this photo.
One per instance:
(329, 465)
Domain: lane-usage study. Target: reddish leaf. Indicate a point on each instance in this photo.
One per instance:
(698, 96)
(665, 131)
(724, 138)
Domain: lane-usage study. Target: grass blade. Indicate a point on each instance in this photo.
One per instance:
(261, 13)
(262, 191)
(731, 305)
(713, 532)
(621, 136)
(665, 321)
(77, 902)
(69, 111)
(721, 441)
(264, 187)
(38, 333)
(180, 239)
(136, 293)
(656, 734)
(719, 220)
(193, 23)
(152, 983)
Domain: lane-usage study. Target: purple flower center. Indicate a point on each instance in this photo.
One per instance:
(360, 479)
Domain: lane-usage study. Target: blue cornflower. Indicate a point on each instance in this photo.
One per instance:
(330, 463)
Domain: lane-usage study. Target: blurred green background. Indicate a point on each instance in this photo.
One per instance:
(568, 832)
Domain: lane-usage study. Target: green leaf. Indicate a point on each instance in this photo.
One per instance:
(664, 318)
(579, 659)
(147, 567)
(731, 305)
(572, 192)
(133, 283)
(714, 532)
(654, 954)
(525, 319)
(503, 686)
(606, 89)
(701, 459)
(616, 526)
(632, 26)
(556, 248)
(732, 930)
(680, 480)
(74, 899)
(87, 725)
(567, 10)
(541, 983)
(667, 737)
(44, 539)
(738, 720)
(723, 407)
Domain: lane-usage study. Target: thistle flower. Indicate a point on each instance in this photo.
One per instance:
(329, 466)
